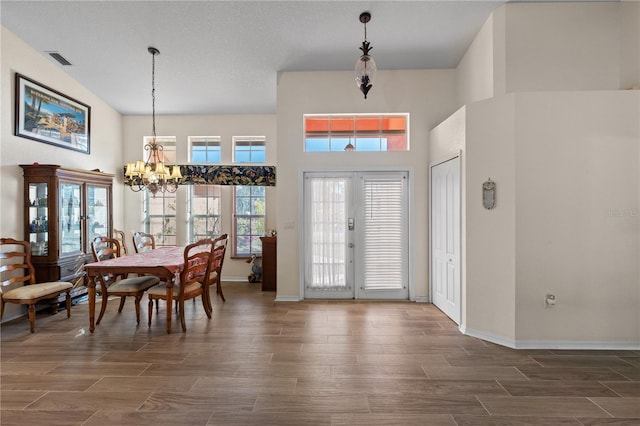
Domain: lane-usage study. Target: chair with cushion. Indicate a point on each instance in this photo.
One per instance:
(16, 268)
(120, 236)
(143, 241)
(219, 249)
(193, 280)
(104, 248)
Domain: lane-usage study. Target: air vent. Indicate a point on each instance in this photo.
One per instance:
(58, 57)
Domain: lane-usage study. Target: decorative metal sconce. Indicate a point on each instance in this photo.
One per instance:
(489, 194)
(365, 66)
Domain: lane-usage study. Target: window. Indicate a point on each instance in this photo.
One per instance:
(204, 149)
(249, 220)
(249, 149)
(332, 133)
(248, 201)
(204, 200)
(159, 212)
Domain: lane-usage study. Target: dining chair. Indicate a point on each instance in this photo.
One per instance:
(193, 280)
(104, 248)
(143, 241)
(15, 257)
(218, 250)
(120, 236)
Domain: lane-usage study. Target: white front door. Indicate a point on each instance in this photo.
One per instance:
(445, 237)
(356, 235)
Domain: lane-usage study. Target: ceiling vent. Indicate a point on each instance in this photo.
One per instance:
(58, 57)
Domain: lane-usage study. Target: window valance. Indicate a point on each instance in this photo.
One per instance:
(194, 174)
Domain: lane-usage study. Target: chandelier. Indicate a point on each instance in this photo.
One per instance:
(153, 175)
(365, 66)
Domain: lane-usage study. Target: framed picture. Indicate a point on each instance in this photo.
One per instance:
(46, 115)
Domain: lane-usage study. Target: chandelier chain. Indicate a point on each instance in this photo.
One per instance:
(153, 94)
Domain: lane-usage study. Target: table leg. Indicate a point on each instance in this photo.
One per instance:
(92, 303)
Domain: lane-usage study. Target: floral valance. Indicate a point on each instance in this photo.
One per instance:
(193, 174)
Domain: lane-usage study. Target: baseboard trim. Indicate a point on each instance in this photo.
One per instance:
(551, 344)
(280, 298)
(422, 299)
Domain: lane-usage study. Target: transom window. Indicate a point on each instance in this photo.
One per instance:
(249, 149)
(350, 132)
(205, 149)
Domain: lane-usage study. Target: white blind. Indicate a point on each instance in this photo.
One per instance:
(385, 242)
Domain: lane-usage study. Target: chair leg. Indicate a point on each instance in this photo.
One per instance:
(206, 301)
(103, 307)
(122, 300)
(32, 317)
(182, 319)
(2, 308)
(137, 303)
(219, 290)
(68, 303)
(151, 309)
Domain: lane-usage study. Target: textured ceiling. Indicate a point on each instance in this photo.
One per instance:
(222, 57)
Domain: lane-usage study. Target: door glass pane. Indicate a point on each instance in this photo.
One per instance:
(38, 219)
(70, 221)
(326, 266)
(97, 213)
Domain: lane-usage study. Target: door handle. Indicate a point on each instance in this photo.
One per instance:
(350, 245)
(351, 224)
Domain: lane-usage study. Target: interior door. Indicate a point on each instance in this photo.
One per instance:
(445, 237)
(356, 235)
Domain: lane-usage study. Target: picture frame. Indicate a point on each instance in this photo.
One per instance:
(45, 115)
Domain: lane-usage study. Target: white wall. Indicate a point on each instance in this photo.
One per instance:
(563, 46)
(475, 70)
(565, 159)
(106, 135)
(225, 126)
(577, 216)
(428, 95)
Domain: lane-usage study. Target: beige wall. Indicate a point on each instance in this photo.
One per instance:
(566, 168)
(577, 215)
(428, 95)
(106, 135)
(563, 46)
(225, 126)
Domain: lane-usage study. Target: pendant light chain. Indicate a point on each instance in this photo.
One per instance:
(153, 94)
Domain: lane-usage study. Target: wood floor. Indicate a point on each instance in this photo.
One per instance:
(257, 362)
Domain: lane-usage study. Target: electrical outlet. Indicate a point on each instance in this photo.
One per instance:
(549, 300)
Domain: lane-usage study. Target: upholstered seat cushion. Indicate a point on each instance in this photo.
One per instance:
(161, 290)
(34, 291)
(134, 284)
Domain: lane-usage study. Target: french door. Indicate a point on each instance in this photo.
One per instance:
(356, 235)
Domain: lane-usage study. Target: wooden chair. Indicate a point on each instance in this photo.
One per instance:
(120, 236)
(193, 280)
(143, 241)
(218, 250)
(16, 256)
(104, 248)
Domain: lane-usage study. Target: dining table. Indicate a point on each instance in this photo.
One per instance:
(164, 262)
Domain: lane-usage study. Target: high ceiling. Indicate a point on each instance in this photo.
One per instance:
(222, 57)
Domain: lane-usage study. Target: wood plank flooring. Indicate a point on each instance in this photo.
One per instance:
(257, 362)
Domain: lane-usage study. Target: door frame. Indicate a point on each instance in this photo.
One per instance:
(460, 224)
(410, 216)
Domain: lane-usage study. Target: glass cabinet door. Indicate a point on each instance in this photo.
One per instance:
(70, 218)
(38, 219)
(97, 213)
